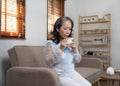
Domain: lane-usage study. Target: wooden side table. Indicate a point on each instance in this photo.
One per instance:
(111, 78)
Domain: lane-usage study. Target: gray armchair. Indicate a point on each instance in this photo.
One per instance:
(28, 68)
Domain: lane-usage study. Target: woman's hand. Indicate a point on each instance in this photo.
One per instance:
(73, 46)
(63, 44)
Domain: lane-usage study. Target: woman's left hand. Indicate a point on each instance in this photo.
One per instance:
(73, 46)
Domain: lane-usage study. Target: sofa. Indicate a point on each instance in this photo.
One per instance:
(28, 68)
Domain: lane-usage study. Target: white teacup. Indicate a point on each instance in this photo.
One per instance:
(69, 40)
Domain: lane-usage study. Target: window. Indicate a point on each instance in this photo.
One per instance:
(12, 19)
(55, 10)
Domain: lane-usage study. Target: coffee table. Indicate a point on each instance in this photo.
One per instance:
(111, 78)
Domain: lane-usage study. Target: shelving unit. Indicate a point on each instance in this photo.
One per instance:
(94, 37)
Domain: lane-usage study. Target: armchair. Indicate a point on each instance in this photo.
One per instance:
(28, 68)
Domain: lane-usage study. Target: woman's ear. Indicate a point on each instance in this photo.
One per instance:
(57, 29)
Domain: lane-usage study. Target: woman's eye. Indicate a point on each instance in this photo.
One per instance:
(65, 28)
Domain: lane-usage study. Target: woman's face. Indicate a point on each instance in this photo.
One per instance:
(65, 29)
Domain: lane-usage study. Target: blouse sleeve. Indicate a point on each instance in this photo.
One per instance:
(77, 57)
(52, 57)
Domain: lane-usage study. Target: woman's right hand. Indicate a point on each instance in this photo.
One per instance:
(63, 44)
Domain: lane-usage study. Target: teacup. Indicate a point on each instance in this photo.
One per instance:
(69, 40)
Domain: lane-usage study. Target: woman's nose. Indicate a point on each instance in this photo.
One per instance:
(68, 31)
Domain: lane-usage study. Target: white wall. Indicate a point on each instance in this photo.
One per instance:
(36, 26)
(75, 8)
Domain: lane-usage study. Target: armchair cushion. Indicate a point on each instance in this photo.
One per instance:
(91, 62)
(90, 74)
(29, 56)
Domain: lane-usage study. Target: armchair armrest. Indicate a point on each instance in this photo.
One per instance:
(91, 62)
(31, 76)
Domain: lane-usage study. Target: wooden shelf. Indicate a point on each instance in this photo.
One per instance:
(94, 37)
(94, 56)
(93, 22)
(93, 44)
(94, 31)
